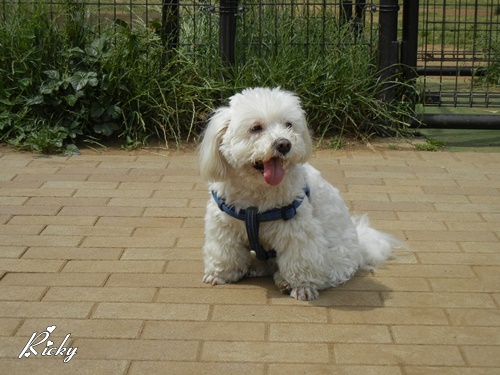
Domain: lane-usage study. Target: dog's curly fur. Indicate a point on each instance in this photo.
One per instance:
(254, 154)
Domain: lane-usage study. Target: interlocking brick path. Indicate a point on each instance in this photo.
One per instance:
(107, 247)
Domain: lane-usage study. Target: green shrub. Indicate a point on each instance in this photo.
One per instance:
(61, 81)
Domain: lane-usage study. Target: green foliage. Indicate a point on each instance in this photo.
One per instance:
(61, 81)
(491, 74)
(430, 144)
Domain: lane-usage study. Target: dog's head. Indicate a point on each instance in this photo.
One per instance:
(260, 135)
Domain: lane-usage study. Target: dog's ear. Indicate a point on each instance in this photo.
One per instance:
(213, 166)
(306, 137)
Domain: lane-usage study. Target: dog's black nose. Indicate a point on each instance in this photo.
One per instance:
(283, 146)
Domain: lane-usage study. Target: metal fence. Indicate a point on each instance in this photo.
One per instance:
(459, 52)
(450, 49)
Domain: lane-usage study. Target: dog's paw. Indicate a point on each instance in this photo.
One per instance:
(224, 278)
(284, 287)
(214, 280)
(304, 293)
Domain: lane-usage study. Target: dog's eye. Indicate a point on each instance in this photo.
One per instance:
(256, 128)
(288, 125)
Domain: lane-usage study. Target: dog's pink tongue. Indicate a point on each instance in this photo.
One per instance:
(273, 171)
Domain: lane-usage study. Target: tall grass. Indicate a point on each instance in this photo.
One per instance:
(61, 81)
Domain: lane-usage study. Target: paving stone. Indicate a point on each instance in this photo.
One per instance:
(8, 326)
(137, 349)
(21, 229)
(390, 354)
(53, 220)
(463, 285)
(237, 313)
(12, 201)
(296, 332)
(427, 270)
(105, 241)
(474, 317)
(388, 315)
(266, 352)
(477, 259)
(83, 328)
(147, 202)
(101, 211)
(81, 230)
(211, 331)
(156, 280)
(212, 295)
(30, 210)
(426, 370)
(112, 193)
(12, 251)
(296, 369)
(30, 265)
(98, 253)
(54, 279)
(140, 222)
(379, 283)
(34, 240)
(162, 254)
(53, 310)
(21, 293)
(115, 266)
(483, 355)
(424, 335)
(108, 248)
(151, 311)
(100, 294)
(438, 299)
(190, 368)
(71, 201)
(331, 298)
(57, 367)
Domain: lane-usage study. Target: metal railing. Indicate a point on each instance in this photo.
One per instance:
(449, 49)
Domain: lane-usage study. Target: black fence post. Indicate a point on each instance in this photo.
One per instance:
(227, 30)
(345, 12)
(170, 27)
(388, 47)
(359, 15)
(410, 39)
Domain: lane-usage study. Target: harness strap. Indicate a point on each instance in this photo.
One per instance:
(252, 218)
(252, 226)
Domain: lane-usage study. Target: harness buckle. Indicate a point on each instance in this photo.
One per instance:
(288, 212)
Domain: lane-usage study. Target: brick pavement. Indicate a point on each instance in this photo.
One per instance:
(107, 248)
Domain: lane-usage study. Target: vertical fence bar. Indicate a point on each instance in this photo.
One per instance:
(388, 47)
(359, 10)
(227, 30)
(345, 12)
(170, 28)
(410, 39)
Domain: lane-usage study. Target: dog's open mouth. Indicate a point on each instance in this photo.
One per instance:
(272, 170)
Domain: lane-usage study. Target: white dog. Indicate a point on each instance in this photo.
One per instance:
(265, 197)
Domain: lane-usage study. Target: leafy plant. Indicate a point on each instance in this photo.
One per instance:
(64, 79)
(430, 144)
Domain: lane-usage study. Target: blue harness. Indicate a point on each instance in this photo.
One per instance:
(252, 218)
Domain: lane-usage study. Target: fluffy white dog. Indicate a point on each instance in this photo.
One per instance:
(265, 197)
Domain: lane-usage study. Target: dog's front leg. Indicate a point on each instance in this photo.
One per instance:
(224, 264)
(297, 290)
(299, 274)
(225, 255)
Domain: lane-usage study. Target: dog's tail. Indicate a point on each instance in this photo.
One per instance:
(376, 247)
